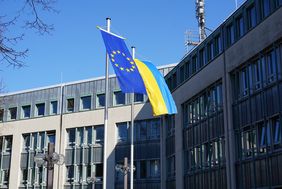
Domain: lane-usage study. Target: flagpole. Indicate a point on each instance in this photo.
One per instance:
(132, 132)
(105, 159)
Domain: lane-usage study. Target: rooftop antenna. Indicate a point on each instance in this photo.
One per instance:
(192, 40)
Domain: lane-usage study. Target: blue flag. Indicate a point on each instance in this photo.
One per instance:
(129, 78)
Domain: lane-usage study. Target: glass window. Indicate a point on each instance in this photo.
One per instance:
(99, 170)
(70, 105)
(271, 66)
(143, 130)
(170, 125)
(194, 64)
(26, 111)
(138, 98)
(8, 144)
(99, 134)
(239, 26)
(122, 132)
(70, 173)
(265, 8)
(276, 129)
(89, 135)
(26, 143)
(210, 50)
(230, 34)
(171, 166)
(12, 113)
(181, 70)
(219, 100)
(80, 136)
(101, 100)
(40, 109)
(256, 75)
(71, 137)
(119, 98)
(249, 143)
(154, 168)
(264, 136)
(54, 107)
(154, 129)
(143, 169)
(85, 103)
(244, 82)
(251, 17)
(202, 58)
(1, 115)
(51, 138)
(217, 45)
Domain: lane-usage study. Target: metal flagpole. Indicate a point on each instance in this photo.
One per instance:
(132, 132)
(108, 20)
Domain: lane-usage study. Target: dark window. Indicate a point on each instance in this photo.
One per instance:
(13, 113)
(187, 70)
(85, 103)
(174, 81)
(26, 143)
(154, 168)
(251, 17)
(100, 100)
(265, 8)
(99, 170)
(239, 27)
(202, 58)
(264, 136)
(249, 143)
(244, 82)
(154, 129)
(70, 173)
(256, 75)
(26, 111)
(70, 105)
(217, 45)
(40, 109)
(194, 64)
(1, 115)
(230, 34)
(271, 66)
(181, 70)
(122, 132)
(138, 98)
(71, 133)
(210, 51)
(54, 107)
(119, 98)
(8, 144)
(51, 137)
(276, 130)
(89, 135)
(143, 169)
(143, 130)
(99, 134)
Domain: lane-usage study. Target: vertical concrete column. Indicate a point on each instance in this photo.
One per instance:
(163, 152)
(178, 150)
(15, 166)
(228, 129)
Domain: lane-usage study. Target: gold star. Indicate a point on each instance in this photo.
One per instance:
(118, 52)
(121, 68)
(113, 60)
(127, 70)
(131, 69)
(116, 65)
(114, 52)
(123, 54)
(128, 58)
(131, 62)
(112, 55)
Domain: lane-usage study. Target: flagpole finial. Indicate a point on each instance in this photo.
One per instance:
(108, 18)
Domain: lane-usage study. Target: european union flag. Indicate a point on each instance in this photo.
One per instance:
(129, 78)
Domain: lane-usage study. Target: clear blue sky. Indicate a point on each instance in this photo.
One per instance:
(75, 48)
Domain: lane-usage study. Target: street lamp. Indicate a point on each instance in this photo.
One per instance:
(50, 158)
(92, 179)
(124, 169)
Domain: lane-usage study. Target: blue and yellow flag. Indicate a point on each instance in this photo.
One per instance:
(129, 78)
(157, 90)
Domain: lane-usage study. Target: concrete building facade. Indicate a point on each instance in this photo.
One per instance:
(227, 133)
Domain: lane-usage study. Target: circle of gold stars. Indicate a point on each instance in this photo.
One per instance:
(128, 69)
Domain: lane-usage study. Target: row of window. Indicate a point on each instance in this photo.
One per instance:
(85, 104)
(144, 169)
(143, 130)
(263, 137)
(226, 35)
(85, 136)
(5, 151)
(262, 71)
(204, 105)
(37, 141)
(204, 156)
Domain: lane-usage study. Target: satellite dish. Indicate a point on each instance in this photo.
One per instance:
(58, 159)
(39, 159)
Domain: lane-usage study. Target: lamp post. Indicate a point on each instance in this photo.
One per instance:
(124, 169)
(50, 158)
(92, 179)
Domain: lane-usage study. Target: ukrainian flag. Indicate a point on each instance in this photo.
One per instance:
(157, 90)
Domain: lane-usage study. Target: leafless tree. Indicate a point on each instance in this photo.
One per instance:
(29, 16)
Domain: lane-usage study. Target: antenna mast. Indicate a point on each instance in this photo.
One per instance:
(200, 15)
